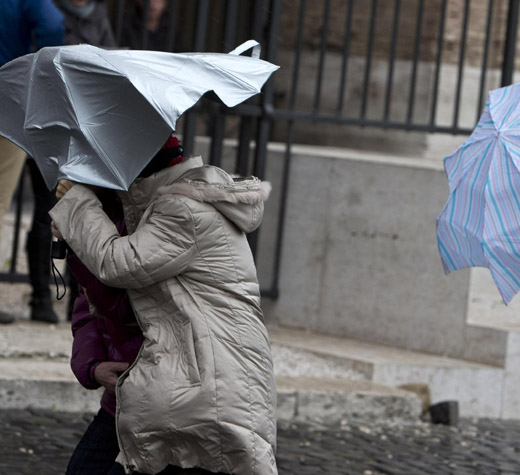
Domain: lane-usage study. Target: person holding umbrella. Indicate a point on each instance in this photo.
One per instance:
(201, 392)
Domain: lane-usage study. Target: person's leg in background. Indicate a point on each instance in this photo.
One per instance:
(38, 249)
(12, 159)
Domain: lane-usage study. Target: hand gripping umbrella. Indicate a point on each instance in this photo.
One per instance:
(99, 116)
(480, 223)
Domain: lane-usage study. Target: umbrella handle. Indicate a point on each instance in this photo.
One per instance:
(248, 45)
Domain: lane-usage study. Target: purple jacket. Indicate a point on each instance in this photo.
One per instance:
(113, 333)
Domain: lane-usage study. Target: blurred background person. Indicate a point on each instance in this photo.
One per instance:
(151, 34)
(86, 22)
(23, 23)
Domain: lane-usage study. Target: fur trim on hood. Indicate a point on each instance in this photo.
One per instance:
(241, 200)
(241, 190)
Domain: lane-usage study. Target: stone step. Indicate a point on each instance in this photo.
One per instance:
(43, 384)
(477, 387)
(49, 384)
(340, 400)
(26, 339)
(35, 372)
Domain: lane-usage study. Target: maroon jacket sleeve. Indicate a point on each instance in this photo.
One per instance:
(110, 302)
(88, 349)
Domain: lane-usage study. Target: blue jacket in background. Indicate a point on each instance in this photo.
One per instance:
(24, 23)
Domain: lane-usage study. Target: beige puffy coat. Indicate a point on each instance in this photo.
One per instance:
(201, 392)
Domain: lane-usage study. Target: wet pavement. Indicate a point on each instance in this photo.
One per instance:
(40, 442)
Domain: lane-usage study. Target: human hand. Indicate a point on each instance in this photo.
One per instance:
(63, 187)
(55, 231)
(108, 372)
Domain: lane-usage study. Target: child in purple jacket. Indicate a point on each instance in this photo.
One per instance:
(107, 337)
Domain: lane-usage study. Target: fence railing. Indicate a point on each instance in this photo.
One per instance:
(416, 65)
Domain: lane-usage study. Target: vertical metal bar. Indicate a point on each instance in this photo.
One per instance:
(440, 42)
(485, 58)
(144, 29)
(188, 136)
(264, 126)
(368, 60)
(257, 20)
(275, 14)
(508, 66)
(393, 45)
(297, 55)
(262, 137)
(284, 193)
(218, 117)
(120, 6)
(346, 55)
(201, 28)
(413, 81)
(230, 25)
(273, 292)
(244, 141)
(462, 51)
(173, 9)
(17, 223)
(246, 124)
(217, 138)
(267, 98)
(323, 50)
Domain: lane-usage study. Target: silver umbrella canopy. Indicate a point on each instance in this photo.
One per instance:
(98, 116)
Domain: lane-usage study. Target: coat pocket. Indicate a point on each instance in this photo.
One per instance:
(188, 368)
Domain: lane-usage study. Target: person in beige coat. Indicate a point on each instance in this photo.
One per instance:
(201, 392)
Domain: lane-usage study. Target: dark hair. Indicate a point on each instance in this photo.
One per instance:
(166, 157)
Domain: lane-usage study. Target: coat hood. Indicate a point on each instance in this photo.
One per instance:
(241, 200)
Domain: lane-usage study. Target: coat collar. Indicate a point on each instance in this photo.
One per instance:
(144, 190)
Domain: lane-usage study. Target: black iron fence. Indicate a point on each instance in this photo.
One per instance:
(415, 65)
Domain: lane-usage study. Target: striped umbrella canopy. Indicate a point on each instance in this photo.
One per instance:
(480, 224)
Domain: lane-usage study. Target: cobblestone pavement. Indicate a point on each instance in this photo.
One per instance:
(40, 442)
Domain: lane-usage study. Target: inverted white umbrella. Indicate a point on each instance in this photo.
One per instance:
(98, 116)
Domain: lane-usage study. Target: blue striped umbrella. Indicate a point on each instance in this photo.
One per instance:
(480, 224)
